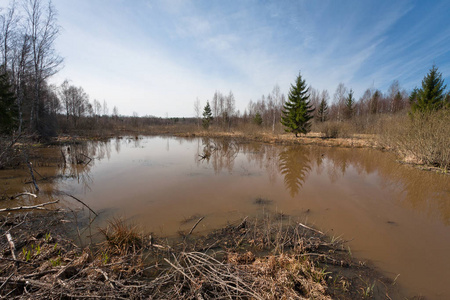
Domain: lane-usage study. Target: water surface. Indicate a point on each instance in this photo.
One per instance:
(394, 215)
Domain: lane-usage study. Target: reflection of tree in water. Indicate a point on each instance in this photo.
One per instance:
(294, 165)
(81, 157)
(220, 152)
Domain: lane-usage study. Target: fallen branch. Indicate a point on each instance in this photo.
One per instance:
(73, 197)
(312, 229)
(195, 225)
(23, 194)
(39, 206)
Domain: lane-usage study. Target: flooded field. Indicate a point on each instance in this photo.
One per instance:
(393, 215)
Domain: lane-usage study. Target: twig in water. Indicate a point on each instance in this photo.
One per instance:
(90, 159)
(195, 225)
(23, 194)
(73, 197)
(64, 157)
(312, 229)
(32, 174)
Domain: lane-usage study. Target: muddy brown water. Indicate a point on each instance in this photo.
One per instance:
(393, 215)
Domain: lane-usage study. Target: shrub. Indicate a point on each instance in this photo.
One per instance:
(333, 129)
(421, 138)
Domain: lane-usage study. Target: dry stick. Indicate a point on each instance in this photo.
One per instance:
(23, 194)
(4, 282)
(195, 225)
(307, 227)
(15, 260)
(73, 197)
(242, 225)
(32, 174)
(39, 206)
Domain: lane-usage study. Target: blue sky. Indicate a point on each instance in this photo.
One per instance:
(156, 57)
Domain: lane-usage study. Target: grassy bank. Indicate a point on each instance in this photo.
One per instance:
(269, 258)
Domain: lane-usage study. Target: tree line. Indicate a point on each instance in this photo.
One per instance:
(308, 105)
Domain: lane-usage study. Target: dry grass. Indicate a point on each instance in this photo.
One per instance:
(251, 259)
(121, 237)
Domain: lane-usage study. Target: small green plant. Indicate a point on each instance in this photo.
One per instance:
(26, 254)
(34, 251)
(367, 291)
(54, 247)
(105, 258)
(56, 262)
(48, 237)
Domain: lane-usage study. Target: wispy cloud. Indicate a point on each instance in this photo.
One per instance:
(156, 57)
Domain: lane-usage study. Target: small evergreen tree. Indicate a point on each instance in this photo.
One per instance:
(8, 108)
(322, 111)
(297, 111)
(432, 94)
(397, 103)
(349, 105)
(258, 119)
(373, 103)
(207, 116)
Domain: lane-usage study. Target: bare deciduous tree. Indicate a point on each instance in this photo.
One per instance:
(198, 111)
(43, 30)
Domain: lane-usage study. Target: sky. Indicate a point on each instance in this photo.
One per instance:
(156, 57)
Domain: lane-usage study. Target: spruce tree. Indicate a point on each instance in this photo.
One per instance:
(349, 103)
(297, 111)
(432, 94)
(8, 108)
(322, 111)
(258, 119)
(207, 116)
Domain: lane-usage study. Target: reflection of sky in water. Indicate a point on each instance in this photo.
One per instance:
(159, 182)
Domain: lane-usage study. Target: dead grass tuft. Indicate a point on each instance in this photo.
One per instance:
(121, 237)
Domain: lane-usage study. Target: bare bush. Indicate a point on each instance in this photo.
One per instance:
(420, 138)
(334, 129)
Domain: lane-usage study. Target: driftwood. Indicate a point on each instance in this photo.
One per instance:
(195, 225)
(38, 206)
